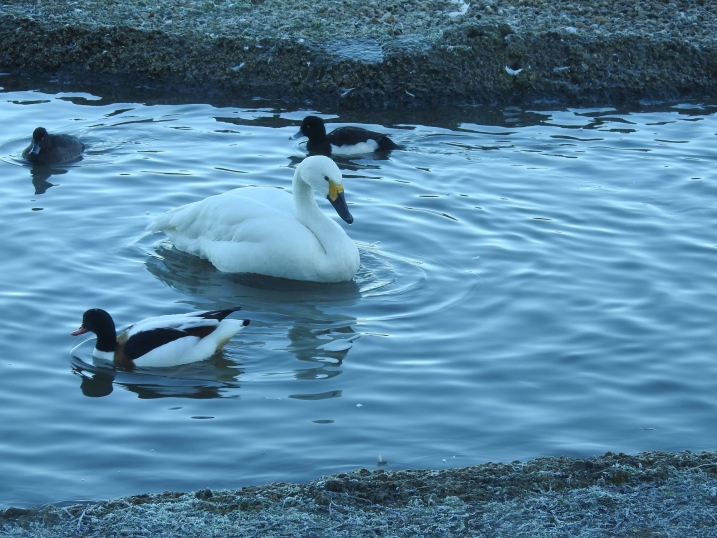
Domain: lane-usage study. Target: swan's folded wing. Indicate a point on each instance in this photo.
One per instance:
(226, 217)
(234, 226)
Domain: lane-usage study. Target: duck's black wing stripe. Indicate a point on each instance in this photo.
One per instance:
(145, 341)
(351, 135)
(354, 135)
(218, 314)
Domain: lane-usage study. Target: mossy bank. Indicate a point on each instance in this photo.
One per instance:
(376, 54)
(652, 494)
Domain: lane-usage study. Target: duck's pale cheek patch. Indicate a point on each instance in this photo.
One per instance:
(334, 191)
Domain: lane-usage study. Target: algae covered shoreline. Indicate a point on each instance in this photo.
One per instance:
(377, 54)
(650, 494)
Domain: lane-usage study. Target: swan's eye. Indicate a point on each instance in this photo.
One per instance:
(326, 178)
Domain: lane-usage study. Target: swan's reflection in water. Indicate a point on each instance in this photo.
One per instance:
(194, 276)
(304, 313)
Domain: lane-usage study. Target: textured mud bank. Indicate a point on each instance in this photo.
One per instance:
(652, 494)
(376, 54)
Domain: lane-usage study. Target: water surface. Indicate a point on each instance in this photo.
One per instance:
(533, 282)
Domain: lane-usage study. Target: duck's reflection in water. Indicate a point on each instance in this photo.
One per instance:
(41, 173)
(213, 378)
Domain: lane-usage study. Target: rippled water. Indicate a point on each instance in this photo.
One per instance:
(532, 282)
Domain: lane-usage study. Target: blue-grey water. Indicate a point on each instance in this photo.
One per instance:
(533, 282)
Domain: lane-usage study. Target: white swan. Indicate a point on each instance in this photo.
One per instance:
(259, 230)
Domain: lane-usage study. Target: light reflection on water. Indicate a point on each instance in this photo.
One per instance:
(532, 282)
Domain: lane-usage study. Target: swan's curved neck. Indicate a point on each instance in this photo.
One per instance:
(308, 213)
(340, 259)
(305, 207)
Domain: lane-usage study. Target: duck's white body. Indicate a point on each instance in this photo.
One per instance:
(358, 148)
(268, 231)
(161, 341)
(188, 348)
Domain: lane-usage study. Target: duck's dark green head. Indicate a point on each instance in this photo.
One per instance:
(39, 136)
(97, 321)
(313, 127)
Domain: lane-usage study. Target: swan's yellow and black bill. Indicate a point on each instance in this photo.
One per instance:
(336, 197)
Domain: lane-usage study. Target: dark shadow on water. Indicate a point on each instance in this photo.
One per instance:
(274, 121)
(448, 117)
(320, 396)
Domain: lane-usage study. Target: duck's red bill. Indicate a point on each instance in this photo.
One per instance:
(79, 331)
